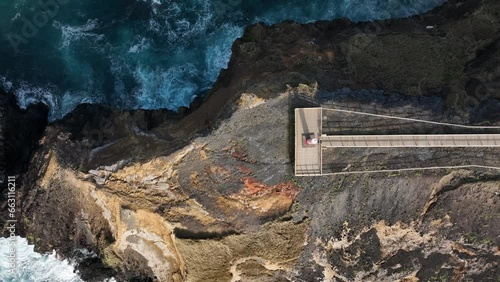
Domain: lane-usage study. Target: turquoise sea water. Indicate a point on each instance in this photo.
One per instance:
(146, 54)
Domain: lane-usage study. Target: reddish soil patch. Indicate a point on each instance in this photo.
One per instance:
(256, 188)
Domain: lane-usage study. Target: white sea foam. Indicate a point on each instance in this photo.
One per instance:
(16, 17)
(141, 44)
(70, 34)
(34, 267)
(169, 89)
(6, 84)
(218, 53)
(20, 3)
(176, 21)
(28, 94)
(59, 104)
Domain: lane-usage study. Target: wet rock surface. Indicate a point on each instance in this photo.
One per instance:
(209, 195)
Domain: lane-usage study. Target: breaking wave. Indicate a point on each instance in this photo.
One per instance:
(32, 266)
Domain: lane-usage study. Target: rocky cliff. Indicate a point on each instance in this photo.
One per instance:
(210, 195)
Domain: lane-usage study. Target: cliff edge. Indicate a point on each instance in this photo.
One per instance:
(210, 195)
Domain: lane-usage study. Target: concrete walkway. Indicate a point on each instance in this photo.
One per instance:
(308, 123)
(365, 141)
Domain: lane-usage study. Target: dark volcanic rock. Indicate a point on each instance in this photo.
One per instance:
(209, 194)
(20, 133)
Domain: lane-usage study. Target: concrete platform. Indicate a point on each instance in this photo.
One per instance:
(307, 157)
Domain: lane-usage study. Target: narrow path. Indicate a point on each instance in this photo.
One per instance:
(395, 141)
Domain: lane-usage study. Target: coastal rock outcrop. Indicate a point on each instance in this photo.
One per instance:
(211, 195)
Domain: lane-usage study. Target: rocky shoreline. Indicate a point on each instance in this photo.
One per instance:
(208, 194)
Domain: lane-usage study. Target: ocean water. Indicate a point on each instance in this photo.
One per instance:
(147, 54)
(34, 267)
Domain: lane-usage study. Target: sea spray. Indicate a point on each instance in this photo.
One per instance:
(32, 266)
